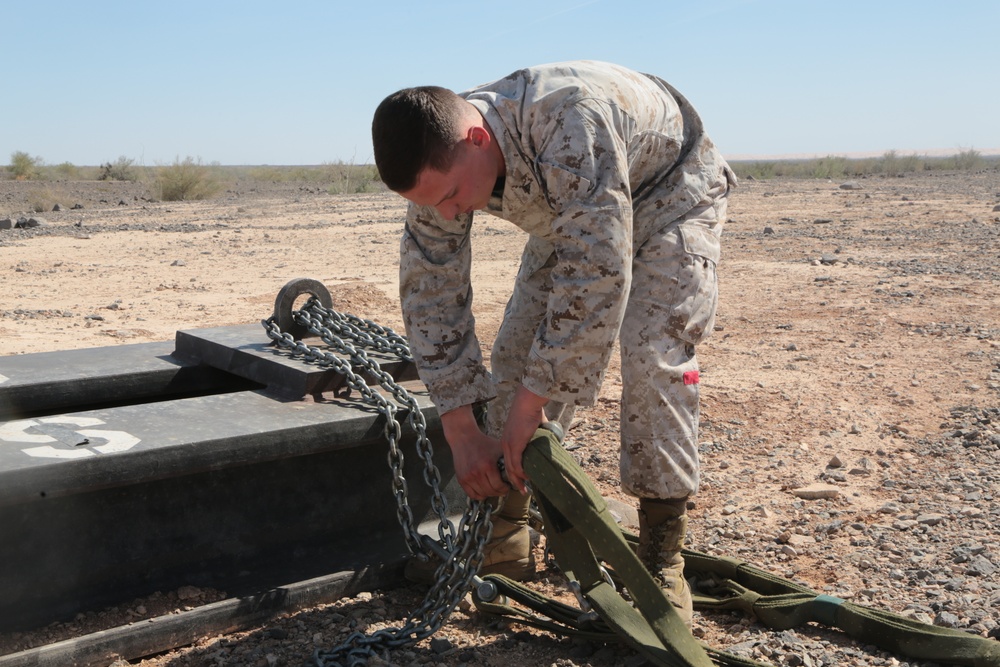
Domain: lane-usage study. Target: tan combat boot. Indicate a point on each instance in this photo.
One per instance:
(662, 529)
(508, 552)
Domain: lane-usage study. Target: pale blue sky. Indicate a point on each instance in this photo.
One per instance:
(255, 82)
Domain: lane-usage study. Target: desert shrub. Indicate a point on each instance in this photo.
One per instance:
(969, 160)
(893, 164)
(911, 164)
(890, 164)
(67, 171)
(45, 196)
(23, 166)
(352, 178)
(831, 166)
(338, 177)
(185, 180)
(42, 199)
(119, 170)
(266, 174)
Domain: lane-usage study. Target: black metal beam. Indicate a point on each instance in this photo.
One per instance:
(246, 352)
(237, 491)
(52, 382)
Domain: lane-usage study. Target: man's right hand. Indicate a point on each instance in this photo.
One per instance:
(475, 455)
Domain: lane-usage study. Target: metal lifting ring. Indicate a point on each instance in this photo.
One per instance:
(285, 300)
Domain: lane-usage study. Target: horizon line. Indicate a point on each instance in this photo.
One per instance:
(860, 155)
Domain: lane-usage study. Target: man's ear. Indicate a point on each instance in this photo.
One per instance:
(478, 136)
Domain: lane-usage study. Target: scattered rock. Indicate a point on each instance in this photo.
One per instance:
(980, 566)
(946, 619)
(187, 592)
(625, 514)
(441, 645)
(817, 492)
(931, 519)
(801, 540)
(851, 185)
(29, 223)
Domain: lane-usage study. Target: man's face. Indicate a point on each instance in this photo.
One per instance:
(463, 188)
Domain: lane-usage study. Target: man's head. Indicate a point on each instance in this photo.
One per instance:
(435, 149)
(415, 128)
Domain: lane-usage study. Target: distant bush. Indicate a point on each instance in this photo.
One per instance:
(185, 180)
(352, 178)
(265, 174)
(119, 170)
(43, 198)
(24, 167)
(337, 177)
(893, 164)
(835, 167)
(66, 171)
(969, 160)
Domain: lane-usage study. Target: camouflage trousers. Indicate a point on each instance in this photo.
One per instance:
(671, 308)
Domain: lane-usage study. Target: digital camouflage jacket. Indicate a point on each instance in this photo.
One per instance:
(597, 158)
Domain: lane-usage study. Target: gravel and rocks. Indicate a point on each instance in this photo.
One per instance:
(851, 393)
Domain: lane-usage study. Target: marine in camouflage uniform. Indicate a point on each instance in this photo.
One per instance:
(623, 196)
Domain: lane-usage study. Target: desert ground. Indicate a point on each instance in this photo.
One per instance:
(857, 346)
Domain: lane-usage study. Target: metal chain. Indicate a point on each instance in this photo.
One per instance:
(350, 336)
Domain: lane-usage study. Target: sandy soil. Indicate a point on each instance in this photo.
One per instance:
(852, 321)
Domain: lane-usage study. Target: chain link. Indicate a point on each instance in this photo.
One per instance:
(350, 336)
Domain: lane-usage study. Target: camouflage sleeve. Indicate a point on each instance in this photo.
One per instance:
(584, 168)
(435, 291)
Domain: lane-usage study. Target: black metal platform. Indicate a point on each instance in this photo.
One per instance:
(214, 461)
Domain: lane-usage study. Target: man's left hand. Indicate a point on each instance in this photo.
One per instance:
(526, 415)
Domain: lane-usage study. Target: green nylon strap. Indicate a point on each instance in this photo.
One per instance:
(575, 559)
(782, 604)
(824, 609)
(559, 618)
(577, 524)
(555, 617)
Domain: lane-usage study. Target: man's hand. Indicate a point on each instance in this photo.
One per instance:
(526, 415)
(475, 454)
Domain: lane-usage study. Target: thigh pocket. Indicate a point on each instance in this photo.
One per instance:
(692, 316)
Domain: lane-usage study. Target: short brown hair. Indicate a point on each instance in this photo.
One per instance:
(412, 129)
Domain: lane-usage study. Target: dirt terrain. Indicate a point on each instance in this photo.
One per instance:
(857, 346)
